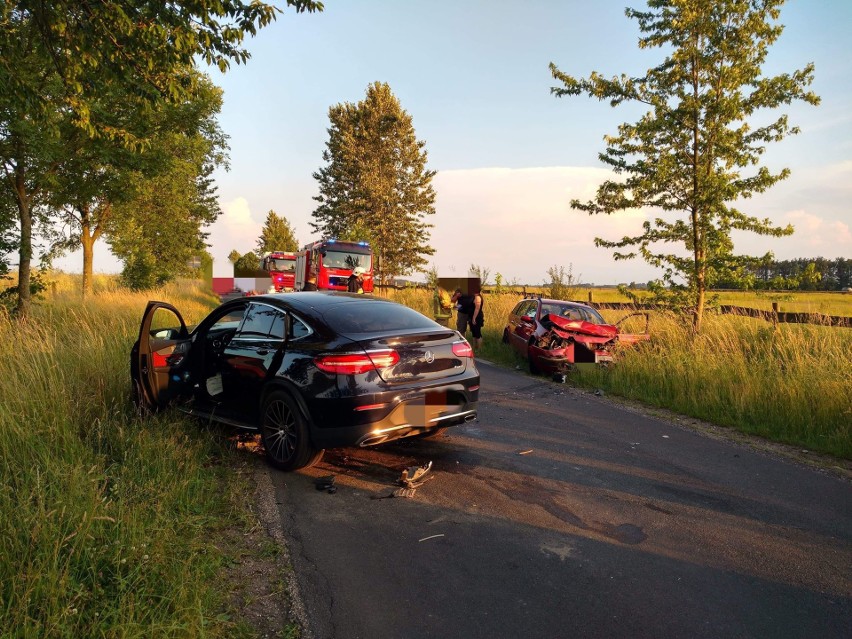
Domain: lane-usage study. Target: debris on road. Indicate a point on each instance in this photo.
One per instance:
(407, 493)
(525, 452)
(325, 483)
(412, 477)
(430, 537)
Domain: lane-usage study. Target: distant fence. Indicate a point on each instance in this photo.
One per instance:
(775, 316)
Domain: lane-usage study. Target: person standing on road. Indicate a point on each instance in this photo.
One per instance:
(477, 319)
(464, 308)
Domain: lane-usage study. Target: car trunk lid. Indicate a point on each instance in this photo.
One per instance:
(422, 356)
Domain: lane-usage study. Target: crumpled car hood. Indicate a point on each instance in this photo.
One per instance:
(566, 327)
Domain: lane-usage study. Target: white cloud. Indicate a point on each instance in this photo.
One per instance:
(519, 222)
(819, 233)
(235, 229)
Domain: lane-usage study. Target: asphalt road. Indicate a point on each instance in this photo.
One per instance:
(615, 524)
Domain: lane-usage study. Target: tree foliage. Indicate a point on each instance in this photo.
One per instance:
(142, 45)
(276, 235)
(246, 264)
(375, 184)
(803, 273)
(482, 272)
(96, 178)
(562, 285)
(695, 152)
(160, 228)
(59, 61)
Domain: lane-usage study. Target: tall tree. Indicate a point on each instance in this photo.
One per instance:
(97, 178)
(692, 153)
(276, 235)
(376, 180)
(158, 230)
(58, 57)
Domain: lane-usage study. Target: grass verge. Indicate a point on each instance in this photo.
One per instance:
(109, 524)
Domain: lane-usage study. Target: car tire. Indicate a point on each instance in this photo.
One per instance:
(284, 432)
(505, 335)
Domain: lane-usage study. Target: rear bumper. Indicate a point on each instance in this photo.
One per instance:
(382, 417)
(562, 360)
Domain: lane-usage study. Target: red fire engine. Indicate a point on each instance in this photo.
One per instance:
(282, 270)
(327, 265)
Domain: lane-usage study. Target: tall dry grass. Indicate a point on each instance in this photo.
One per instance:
(106, 520)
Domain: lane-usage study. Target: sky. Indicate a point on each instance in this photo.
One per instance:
(509, 156)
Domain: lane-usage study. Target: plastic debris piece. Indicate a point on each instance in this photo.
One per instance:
(431, 537)
(412, 477)
(525, 452)
(324, 483)
(407, 493)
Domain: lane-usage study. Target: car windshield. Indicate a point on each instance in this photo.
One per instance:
(282, 265)
(572, 312)
(372, 316)
(345, 259)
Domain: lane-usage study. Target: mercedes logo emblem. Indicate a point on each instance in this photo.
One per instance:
(429, 356)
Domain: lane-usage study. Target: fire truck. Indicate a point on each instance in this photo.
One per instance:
(282, 270)
(326, 265)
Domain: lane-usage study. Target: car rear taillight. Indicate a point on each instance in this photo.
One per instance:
(462, 349)
(356, 363)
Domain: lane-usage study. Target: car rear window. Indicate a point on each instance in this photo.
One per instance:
(371, 316)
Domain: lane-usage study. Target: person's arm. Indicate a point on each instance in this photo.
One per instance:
(477, 303)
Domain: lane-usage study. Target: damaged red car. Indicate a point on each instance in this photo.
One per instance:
(554, 335)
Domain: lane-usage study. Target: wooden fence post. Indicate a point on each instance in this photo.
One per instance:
(775, 315)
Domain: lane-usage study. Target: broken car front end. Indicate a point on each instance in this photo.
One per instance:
(567, 342)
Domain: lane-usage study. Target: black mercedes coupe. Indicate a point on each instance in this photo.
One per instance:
(309, 371)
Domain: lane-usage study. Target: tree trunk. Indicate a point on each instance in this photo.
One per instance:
(88, 243)
(88, 237)
(701, 286)
(25, 252)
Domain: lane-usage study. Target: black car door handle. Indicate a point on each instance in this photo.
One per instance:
(263, 351)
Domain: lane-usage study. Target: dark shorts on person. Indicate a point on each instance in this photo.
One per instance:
(462, 320)
(476, 330)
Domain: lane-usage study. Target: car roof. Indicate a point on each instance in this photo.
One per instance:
(318, 300)
(545, 300)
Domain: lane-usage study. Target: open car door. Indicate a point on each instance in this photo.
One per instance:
(633, 338)
(159, 360)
